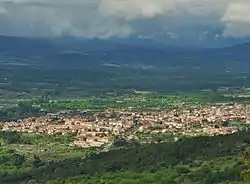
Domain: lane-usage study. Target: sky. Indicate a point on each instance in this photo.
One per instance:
(172, 20)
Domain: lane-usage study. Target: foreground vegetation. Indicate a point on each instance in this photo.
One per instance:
(190, 160)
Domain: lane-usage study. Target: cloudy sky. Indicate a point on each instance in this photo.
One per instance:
(170, 19)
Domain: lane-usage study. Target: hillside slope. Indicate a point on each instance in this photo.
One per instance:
(191, 160)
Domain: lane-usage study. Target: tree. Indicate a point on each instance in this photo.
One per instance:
(19, 159)
(246, 173)
(37, 162)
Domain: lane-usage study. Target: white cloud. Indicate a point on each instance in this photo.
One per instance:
(235, 14)
(56, 18)
(237, 19)
(107, 18)
(134, 9)
(2, 10)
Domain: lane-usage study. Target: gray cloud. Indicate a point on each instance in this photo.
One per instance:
(120, 18)
(130, 10)
(237, 19)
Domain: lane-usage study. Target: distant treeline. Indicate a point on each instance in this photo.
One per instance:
(22, 110)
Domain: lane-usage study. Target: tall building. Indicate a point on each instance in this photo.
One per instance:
(248, 114)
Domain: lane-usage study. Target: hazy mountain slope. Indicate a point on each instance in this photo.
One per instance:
(132, 49)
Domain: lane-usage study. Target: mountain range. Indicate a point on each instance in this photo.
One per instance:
(129, 50)
(78, 66)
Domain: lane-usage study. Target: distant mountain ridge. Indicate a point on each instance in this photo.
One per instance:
(20, 46)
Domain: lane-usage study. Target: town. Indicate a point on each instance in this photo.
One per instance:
(94, 129)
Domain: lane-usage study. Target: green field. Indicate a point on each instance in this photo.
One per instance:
(138, 102)
(143, 101)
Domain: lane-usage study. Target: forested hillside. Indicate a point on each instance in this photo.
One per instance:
(190, 160)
